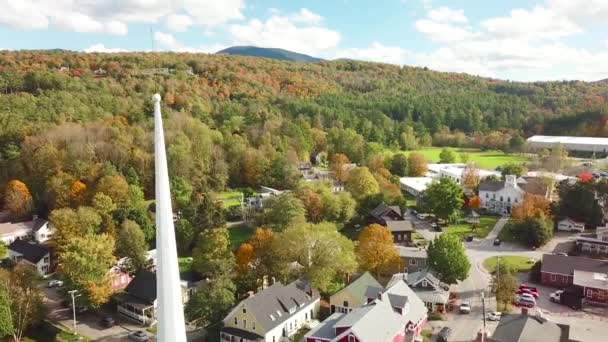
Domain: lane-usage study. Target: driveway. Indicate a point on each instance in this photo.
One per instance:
(88, 322)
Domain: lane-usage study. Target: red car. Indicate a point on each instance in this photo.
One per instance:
(528, 289)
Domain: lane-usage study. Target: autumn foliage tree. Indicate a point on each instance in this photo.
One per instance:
(244, 258)
(376, 251)
(416, 164)
(78, 193)
(470, 178)
(338, 161)
(531, 206)
(18, 199)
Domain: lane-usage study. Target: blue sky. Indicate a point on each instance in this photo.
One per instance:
(518, 40)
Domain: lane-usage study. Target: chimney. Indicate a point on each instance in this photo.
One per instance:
(273, 280)
(250, 294)
(524, 311)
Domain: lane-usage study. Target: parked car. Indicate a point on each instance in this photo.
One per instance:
(468, 238)
(138, 336)
(443, 335)
(107, 322)
(493, 316)
(420, 216)
(436, 227)
(561, 253)
(497, 242)
(465, 308)
(414, 212)
(587, 164)
(527, 295)
(531, 289)
(55, 283)
(529, 292)
(525, 302)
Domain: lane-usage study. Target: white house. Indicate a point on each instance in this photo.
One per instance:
(273, 314)
(33, 254)
(570, 225)
(500, 197)
(594, 243)
(37, 228)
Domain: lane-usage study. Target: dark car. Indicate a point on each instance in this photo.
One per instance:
(468, 238)
(138, 336)
(414, 212)
(443, 335)
(497, 242)
(107, 322)
(436, 227)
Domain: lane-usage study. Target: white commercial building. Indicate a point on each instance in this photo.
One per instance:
(500, 197)
(415, 185)
(585, 144)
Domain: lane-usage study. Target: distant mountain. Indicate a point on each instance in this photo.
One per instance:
(273, 53)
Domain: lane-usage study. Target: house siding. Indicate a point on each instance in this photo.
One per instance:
(337, 300)
(595, 296)
(402, 237)
(556, 280)
(405, 264)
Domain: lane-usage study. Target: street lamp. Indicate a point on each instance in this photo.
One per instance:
(74, 296)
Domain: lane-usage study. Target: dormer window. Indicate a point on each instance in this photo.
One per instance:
(244, 310)
(271, 317)
(279, 313)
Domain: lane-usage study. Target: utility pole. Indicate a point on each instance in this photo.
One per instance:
(74, 295)
(483, 309)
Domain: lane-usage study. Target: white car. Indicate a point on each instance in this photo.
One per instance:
(556, 296)
(493, 316)
(465, 308)
(529, 296)
(55, 283)
(420, 216)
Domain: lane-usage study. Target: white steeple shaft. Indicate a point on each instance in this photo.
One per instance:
(170, 311)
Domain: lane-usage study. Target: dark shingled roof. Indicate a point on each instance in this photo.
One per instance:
(143, 286)
(524, 328)
(533, 185)
(567, 264)
(31, 252)
(383, 209)
(488, 185)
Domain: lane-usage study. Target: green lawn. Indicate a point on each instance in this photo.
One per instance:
(514, 262)
(229, 198)
(185, 264)
(239, 234)
(484, 159)
(410, 201)
(486, 223)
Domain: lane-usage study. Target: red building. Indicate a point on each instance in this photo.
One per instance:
(396, 315)
(589, 276)
(119, 279)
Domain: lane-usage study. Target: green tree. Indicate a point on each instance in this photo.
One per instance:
(505, 285)
(399, 165)
(131, 243)
(465, 157)
(534, 231)
(84, 263)
(25, 299)
(282, 211)
(447, 156)
(361, 183)
(184, 236)
(212, 256)
(320, 249)
(3, 250)
(447, 258)
(204, 212)
(103, 205)
(512, 169)
(578, 201)
(212, 301)
(116, 187)
(70, 224)
(443, 198)
(517, 144)
(6, 321)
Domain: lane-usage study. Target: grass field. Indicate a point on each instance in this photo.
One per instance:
(514, 262)
(239, 234)
(229, 198)
(486, 223)
(484, 159)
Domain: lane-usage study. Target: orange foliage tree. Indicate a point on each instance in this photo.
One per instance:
(532, 206)
(244, 258)
(338, 160)
(18, 198)
(78, 193)
(474, 202)
(312, 204)
(376, 252)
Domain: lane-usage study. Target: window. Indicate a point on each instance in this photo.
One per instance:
(502, 199)
(271, 318)
(424, 283)
(553, 277)
(236, 321)
(412, 261)
(253, 325)
(487, 195)
(345, 304)
(516, 200)
(244, 310)
(589, 293)
(244, 324)
(351, 338)
(509, 199)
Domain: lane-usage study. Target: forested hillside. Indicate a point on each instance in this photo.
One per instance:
(241, 121)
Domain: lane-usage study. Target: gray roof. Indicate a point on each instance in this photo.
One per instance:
(397, 301)
(383, 209)
(411, 252)
(438, 295)
(400, 226)
(373, 291)
(489, 185)
(524, 328)
(415, 277)
(34, 225)
(277, 298)
(326, 329)
(591, 279)
(358, 287)
(567, 264)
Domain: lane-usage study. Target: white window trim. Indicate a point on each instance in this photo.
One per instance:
(589, 293)
(553, 277)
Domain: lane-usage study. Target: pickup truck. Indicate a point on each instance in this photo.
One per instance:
(567, 298)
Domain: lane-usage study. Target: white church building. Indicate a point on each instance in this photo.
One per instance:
(500, 197)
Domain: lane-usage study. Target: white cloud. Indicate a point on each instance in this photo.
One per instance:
(105, 15)
(375, 53)
(306, 16)
(178, 22)
(102, 48)
(447, 15)
(167, 42)
(282, 31)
